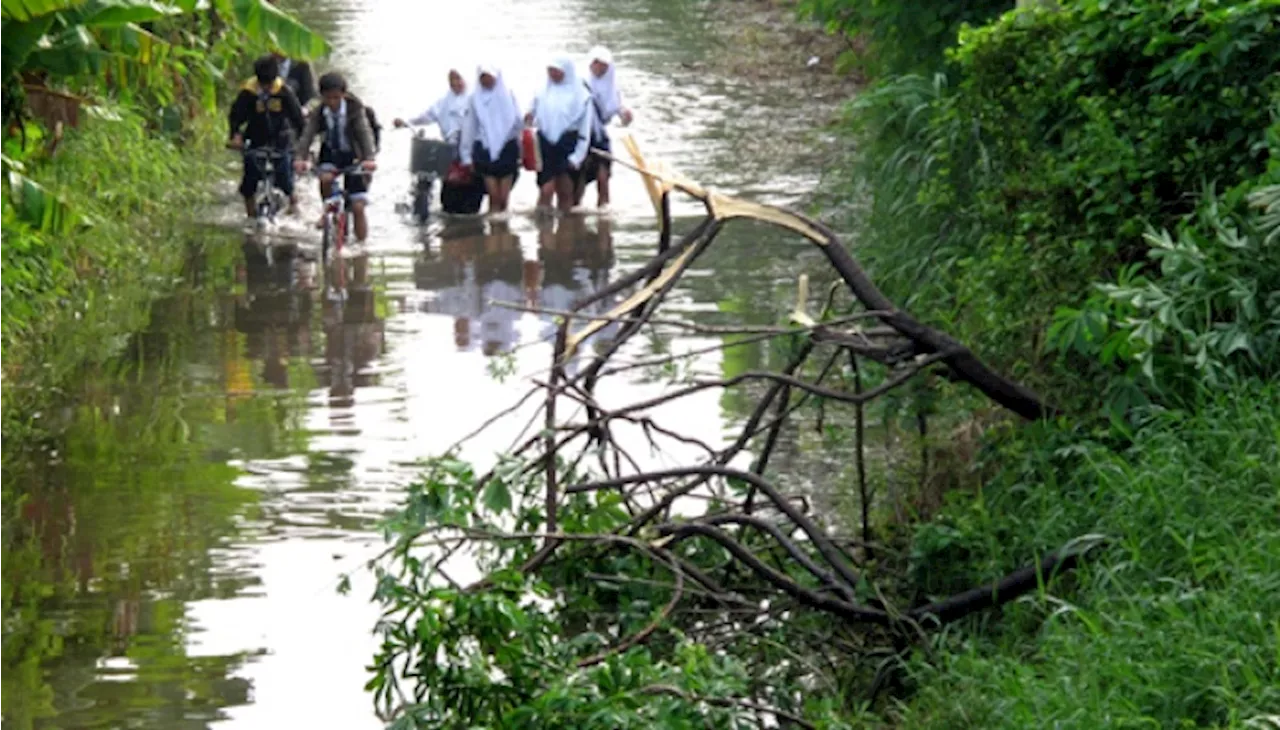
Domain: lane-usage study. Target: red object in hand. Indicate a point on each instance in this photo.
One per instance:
(459, 174)
(530, 152)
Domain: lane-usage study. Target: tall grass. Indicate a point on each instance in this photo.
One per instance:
(1177, 625)
(67, 296)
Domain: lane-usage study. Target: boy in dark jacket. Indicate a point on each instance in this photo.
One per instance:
(346, 139)
(265, 114)
(298, 76)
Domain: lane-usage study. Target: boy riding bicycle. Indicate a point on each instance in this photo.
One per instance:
(263, 116)
(347, 139)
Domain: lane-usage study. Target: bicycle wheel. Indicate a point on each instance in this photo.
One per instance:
(262, 200)
(343, 229)
(422, 199)
(328, 239)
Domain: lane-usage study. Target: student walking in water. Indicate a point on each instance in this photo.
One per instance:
(449, 111)
(561, 112)
(606, 105)
(489, 137)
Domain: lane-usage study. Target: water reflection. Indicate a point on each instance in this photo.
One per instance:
(275, 310)
(576, 261)
(113, 539)
(354, 334)
(482, 277)
(173, 566)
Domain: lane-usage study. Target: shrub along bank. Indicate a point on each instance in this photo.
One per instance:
(69, 295)
(1089, 195)
(112, 132)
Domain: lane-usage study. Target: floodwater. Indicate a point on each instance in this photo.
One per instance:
(174, 564)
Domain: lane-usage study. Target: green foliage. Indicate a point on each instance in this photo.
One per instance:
(1089, 198)
(507, 648)
(1176, 627)
(1064, 139)
(66, 294)
(1206, 314)
(901, 37)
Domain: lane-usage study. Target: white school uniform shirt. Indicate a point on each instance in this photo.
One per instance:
(340, 119)
(450, 112)
(494, 118)
(565, 107)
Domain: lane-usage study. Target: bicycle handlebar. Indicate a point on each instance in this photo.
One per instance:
(258, 152)
(355, 169)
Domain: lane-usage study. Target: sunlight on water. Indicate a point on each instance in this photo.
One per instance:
(305, 409)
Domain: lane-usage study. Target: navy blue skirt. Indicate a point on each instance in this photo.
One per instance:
(507, 164)
(555, 157)
(594, 164)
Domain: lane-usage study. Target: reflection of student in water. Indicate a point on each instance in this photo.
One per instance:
(353, 331)
(500, 268)
(462, 301)
(456, 275)
(498, 324)
(575, 265)
(273, 312)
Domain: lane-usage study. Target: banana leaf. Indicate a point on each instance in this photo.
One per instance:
(26, 10)
(106, 13)
(267, 24)
(35, 204)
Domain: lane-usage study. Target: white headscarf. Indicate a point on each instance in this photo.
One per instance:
(604, 89)
(495, 109)
(450, 111)
(559, 106)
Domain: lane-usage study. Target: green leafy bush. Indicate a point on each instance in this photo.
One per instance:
(68, 293)
(1063, 139)
(550, 649)
(901, 37)
(1204, 312)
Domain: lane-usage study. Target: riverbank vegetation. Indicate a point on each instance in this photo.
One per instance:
(112, 132)
(111, 141)
(1086, 195)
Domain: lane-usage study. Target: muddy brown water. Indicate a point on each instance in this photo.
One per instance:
(173, 562)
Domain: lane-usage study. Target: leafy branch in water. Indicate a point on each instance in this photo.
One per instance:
(585, 581)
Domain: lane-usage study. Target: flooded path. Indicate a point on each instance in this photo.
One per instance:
(176, 560)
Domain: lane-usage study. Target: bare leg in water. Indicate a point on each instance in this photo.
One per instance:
(564, 189)
(493, 187)
(545, 192)
(504, 190)
(362, 221)
(602, 186)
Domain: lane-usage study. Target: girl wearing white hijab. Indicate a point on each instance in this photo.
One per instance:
(489, 137)
(606, 103)
(562, 114)
(450, 111)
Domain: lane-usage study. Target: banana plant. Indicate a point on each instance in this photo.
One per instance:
(125, 45)
(66, 38)
(33, 203)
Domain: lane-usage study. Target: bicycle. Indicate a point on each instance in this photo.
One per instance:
(268, 200)
(429, 161)
(337, 210)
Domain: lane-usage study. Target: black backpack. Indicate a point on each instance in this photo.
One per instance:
(373, 125)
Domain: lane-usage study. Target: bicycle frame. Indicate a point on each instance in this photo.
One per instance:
(267, 199)
(428, 171)
(337, 211)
